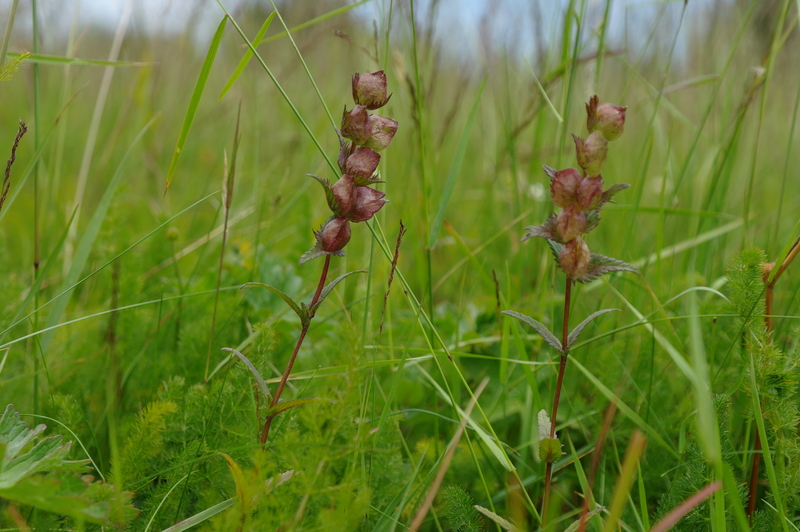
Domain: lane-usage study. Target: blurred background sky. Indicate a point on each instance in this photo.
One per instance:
(464, 27)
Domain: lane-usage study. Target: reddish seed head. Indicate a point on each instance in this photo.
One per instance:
(382, 132)
(564, 187)
(356, 124)
(570, 223)
(590, 192)
(344, 191)
(591, 153)
(334, 235)
(369, 90)
(361, 164)
(368, 202)
(574, 258)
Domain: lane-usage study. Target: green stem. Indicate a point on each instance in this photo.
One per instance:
(7, 37)
(303, 331)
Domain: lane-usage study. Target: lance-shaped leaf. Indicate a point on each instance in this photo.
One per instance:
(582, 325)
(302, 313)
(592, 219)
(601, 265)
(539, 327)
(283, 406)
(550, 171)
(546, 230)
(327, 290)
(262, 385)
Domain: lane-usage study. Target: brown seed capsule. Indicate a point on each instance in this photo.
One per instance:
(574, 258)
(368, 202)
(610, 120)
(362, 164)
(344, 192)
(382, 132)
(564, 187)
(356, 124)
(570, 223)
(334, 235)
(591, 153)
(590, 192)
(369, 90)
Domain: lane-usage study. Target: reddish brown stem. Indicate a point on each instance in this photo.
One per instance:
(303, 331)
(557, 396)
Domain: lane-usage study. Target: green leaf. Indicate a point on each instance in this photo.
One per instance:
(601, 265)
(328, 288)
(62, 61)
(539, 327)
(247, 56)
(579, 329)
(256, 374)
(302, 313)
(195, 100)
(283, 406)
(501, 522)
(42, 478)
(206, 514)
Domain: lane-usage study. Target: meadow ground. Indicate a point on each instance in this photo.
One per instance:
(147, 190)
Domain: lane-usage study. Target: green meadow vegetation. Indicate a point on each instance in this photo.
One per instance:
(168, 363)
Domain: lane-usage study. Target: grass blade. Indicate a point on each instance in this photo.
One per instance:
(195, 100)
(247, 56)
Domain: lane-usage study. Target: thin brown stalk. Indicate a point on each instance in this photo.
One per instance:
(7, 176)
(419, 517)
(285, 377)
(769, 297)
(557, 396)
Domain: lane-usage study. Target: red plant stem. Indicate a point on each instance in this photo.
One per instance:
(563, 365)
(564, 353)
(303, 331)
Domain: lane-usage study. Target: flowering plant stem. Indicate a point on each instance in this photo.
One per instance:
(306, 324)
(561, 368)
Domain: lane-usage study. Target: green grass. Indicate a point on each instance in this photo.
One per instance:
(109, 336)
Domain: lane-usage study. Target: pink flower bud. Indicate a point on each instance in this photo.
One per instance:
(590, 193)
(591, 153)
(564, 187)
(574, 258)
(356, 124)
(362, 165)
(344, 192)
(334, 235)
(369, 90)
(382, 133)
(368, 202)
(570, 223)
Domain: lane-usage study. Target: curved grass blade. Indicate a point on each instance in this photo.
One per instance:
(195, 101)
(206, 514)
(539, 327)
(256, 374)
(63, 61)
(329, 287)
(582, 325)
(289, 301)
(247, 56)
